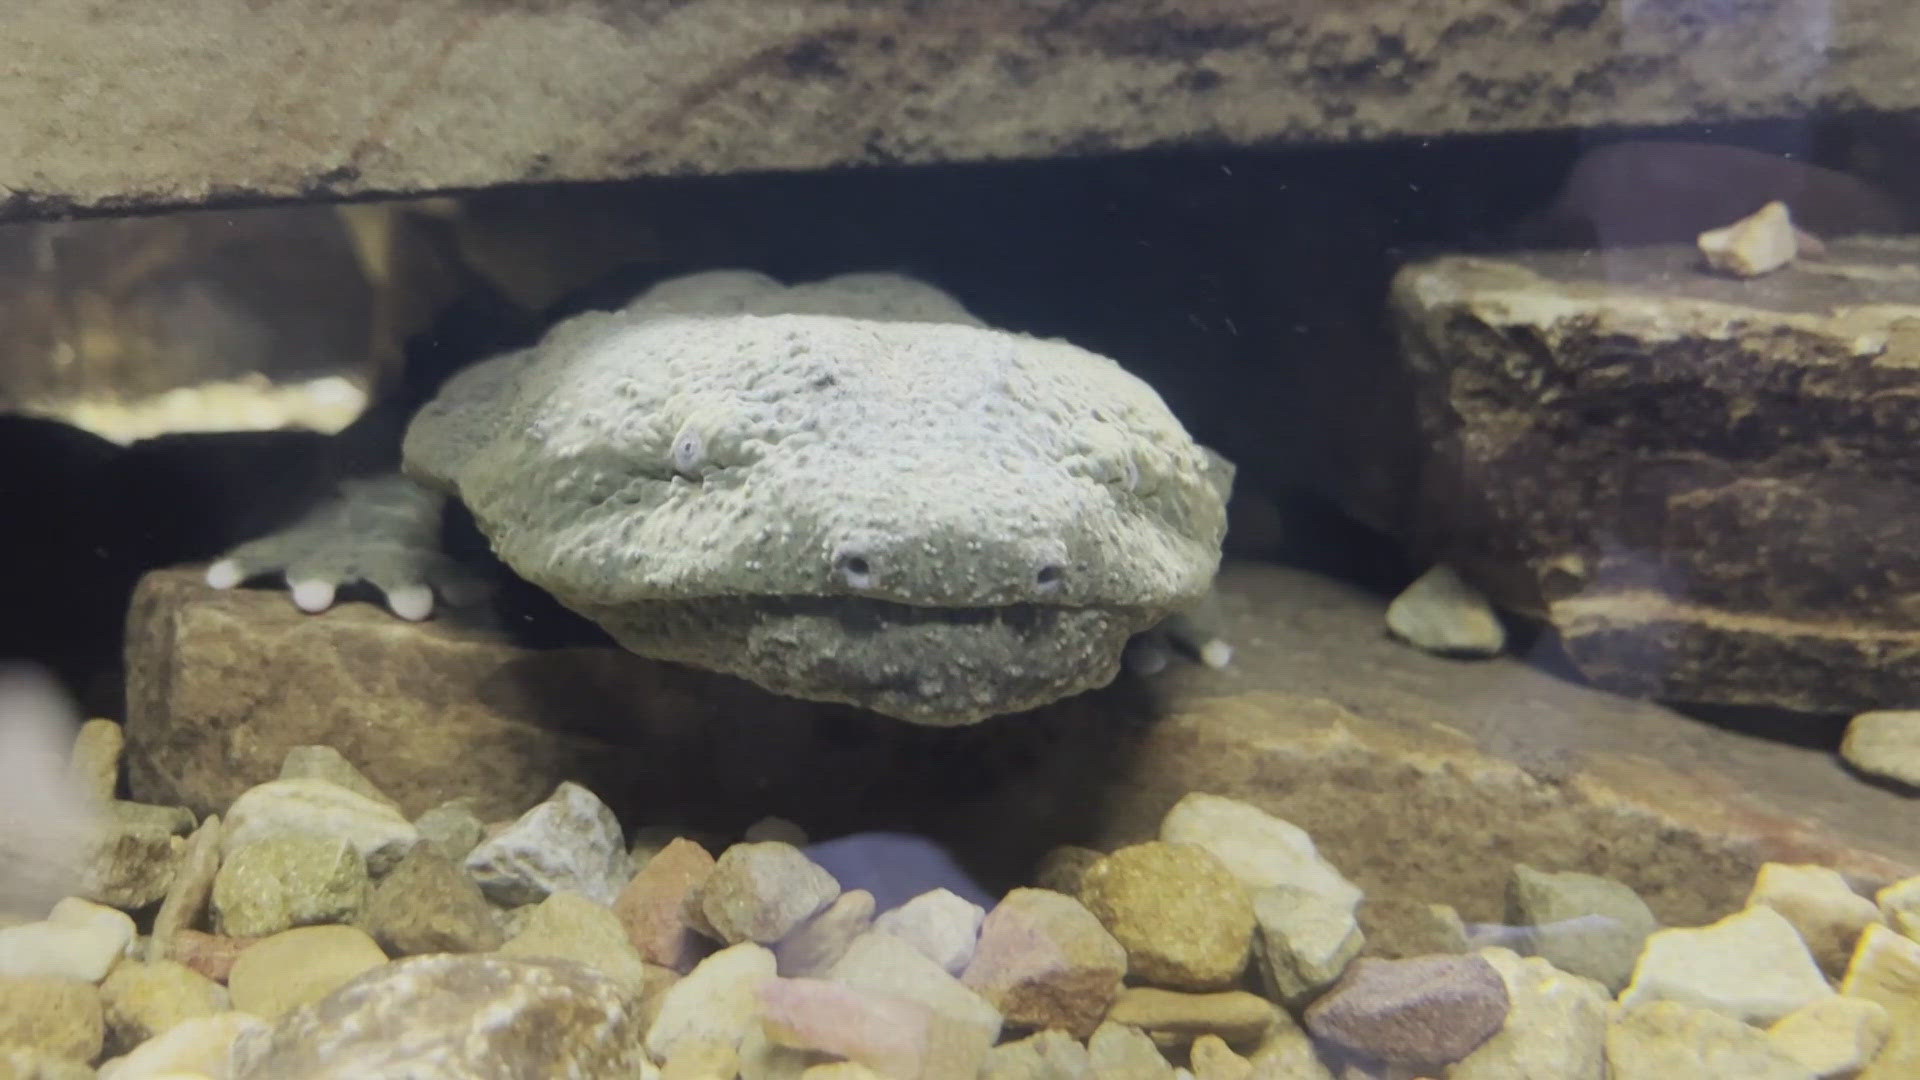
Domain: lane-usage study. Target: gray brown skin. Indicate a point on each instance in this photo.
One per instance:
(844, 491)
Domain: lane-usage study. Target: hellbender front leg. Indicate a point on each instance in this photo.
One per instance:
(384, 531)
(1194, 631)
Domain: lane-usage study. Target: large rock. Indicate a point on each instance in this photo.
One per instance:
(163, 103)
(1704, 484)
(1403, 767)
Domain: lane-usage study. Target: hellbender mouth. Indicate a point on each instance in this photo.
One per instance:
(925, 664)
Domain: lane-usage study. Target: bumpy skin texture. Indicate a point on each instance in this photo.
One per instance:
(846, 491)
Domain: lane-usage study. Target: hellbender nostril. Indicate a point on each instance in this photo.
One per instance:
(1047, 578)
(855, 569)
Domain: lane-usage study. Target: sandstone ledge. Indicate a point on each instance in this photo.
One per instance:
(127, 104)
(1420, 777)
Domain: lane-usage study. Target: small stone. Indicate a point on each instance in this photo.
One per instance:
(192, 886)
(651, 905)
(1760, 243)
(94, 763)
(1288, 1053)
(26, 1063)
(1442, 614)
(326, 763)
(1305, 941)
(700, 1061)
(426, 904)
(1899, 905)
(1062, 868)
(1256, 847)
(1396, 929)
(1185, 921)
(941, 924)
(58, 1015)
(310, 807)
(1581, 923)
(1666, 1040)
(841, 1070)
(1751, 966)
(763, 1059)
(1174, 1019)
(822, 940)
(1885, 744)
(130, 862)
(1212, 1059)
(142, 1000)
(445, 1017)
(1427, 1011)
(1835, 1037)
(77, 940)
(211, 955)
(1045, 1055)
(647, 841)
(571, 842)
(762, 892)
(1821, 905)
(1556, 1025)
(568, 926)
(717, 1002)
(1119, 1052)
(775, 828)
(1045, 961)
(287, 880)
(278, 974)
(1885, 970)
(883, 964)
(895, 1037)
(198, 1045)
(452, 828)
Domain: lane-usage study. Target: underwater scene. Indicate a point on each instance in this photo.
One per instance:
(754, 540)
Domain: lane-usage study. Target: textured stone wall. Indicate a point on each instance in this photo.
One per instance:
(126, 103)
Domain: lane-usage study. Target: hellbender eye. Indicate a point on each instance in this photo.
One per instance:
(689, 452)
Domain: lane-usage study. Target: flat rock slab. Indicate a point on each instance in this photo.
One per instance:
(1418, 777)
(1707, 485)
(128, 104)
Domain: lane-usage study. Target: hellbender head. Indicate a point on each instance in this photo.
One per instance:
(933, 520)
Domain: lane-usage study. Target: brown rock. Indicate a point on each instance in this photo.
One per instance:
(1708, 506)
(1045, 961)
(1176, 1019)
(762, 892)
(1184, 919)
(192, 884)
(844, 84)
(1429, 1011)
(211, 955)
(426, 904)
(650, 905)
(1396, 928)
(1393, 761)
(297, 967)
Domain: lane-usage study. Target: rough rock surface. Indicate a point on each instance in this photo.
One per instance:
(858, 545)
(1696, 480)
(434, 1017)
(1428, 1011)
(111, 112)
(1402, 767)
(1186, 922)
(1044, 961)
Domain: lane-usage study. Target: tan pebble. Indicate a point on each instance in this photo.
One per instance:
(94, 763)
(1834, 1037)
(191, 1047)
(1821, 905)
(298, 966)
(1757, 244)
(57, 1015)
(1174, 1018)
(1899, 905)
(701, 1061)
(143, 1000)
(186, 899)
(1185, 921)
(1212, 1059)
